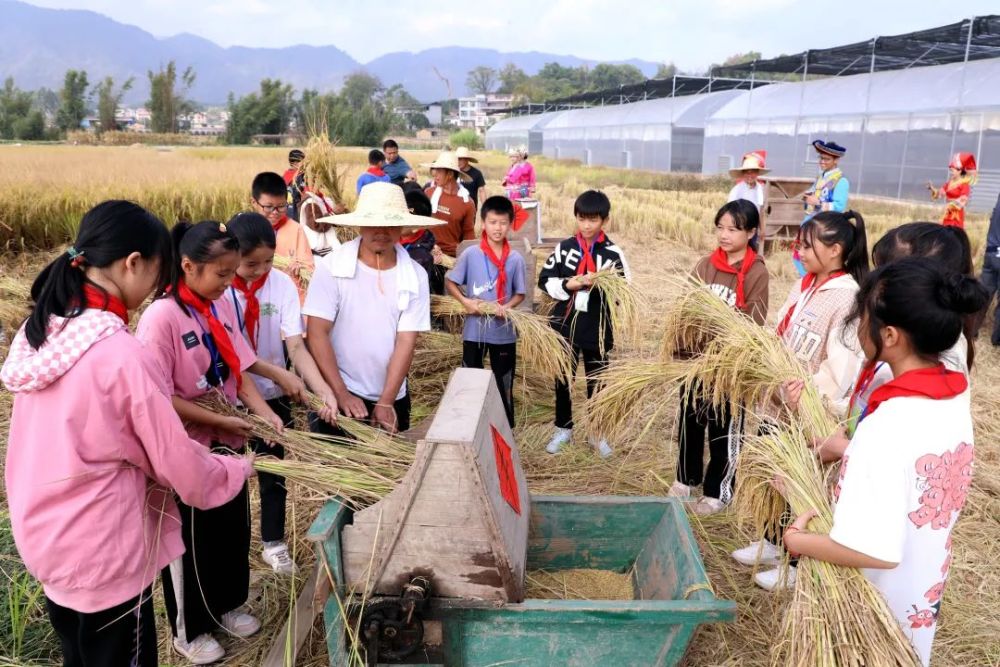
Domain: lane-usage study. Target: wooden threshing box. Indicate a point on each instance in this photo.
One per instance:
(783, 209)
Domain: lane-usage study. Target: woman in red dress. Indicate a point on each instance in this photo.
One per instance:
(962, 175)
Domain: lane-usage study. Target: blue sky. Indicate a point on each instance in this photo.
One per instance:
(691, 33)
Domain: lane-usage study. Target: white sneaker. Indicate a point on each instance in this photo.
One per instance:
(239, 624)
(678, 490)
(603, 448)
(279, 559)
(204, 650)
(707, 506)
(776, 579)
(560, 438)
(758, 553)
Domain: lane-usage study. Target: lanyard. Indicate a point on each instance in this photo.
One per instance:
(486, 267)
(239, 318)
(206, 337)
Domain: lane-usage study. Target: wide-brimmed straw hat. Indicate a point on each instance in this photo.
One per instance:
(381, 205)
(829, 147)
(463, 153)
(448, 160)
(753, 161)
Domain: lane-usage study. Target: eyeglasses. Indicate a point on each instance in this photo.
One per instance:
(270, 209)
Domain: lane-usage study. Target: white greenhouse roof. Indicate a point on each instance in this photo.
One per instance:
(686, 111)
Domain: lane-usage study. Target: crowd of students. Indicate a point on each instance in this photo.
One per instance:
(139, 479)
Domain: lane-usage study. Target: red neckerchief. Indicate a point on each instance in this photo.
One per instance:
(499, 262)
(215, 328)
(804, 286)
(251, 314)
(721, 262)
(280, 223)
(374, 170)
(935, 383)
(289, 175)
(95, 298)
(587, 263)
(413, 238)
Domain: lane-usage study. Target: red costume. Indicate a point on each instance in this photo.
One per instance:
(957, 190)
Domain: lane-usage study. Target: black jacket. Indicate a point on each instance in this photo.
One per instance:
(582, 329)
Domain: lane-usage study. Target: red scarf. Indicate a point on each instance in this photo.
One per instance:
(587, 263)
(215, 328)
(721, 262)
(807, 282)
(935, 383)
(500, 263)
(280, 223)
(251, 314)
(413, 238)
(374, 170)
(95, 298)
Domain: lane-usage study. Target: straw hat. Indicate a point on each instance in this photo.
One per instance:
(463, 152)
(753, 161)
(448, 160)
(381, 205)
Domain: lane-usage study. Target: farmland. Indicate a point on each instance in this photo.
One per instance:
(663, 222)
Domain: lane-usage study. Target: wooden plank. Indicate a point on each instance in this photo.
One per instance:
(458, 413)
(285, 651)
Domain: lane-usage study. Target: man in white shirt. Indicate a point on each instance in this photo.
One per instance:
(747, 186)
(367, 301)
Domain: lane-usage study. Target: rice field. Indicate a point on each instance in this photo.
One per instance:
(663, 222)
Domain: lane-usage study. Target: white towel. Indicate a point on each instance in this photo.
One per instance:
(343, 263)
(436, 197)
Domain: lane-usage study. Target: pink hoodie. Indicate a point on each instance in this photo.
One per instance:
(95, 447)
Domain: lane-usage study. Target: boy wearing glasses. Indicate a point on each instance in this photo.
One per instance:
(269, 198)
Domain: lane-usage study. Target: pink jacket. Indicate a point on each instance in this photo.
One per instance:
(95, 447)
(520, 174)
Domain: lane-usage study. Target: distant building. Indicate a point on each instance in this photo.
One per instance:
(430, 133)
(472, 111)
(433, 113)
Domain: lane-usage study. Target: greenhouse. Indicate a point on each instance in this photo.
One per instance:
(519, 131)
(661, 135)
(900, 127)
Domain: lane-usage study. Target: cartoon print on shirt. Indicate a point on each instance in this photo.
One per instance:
(268, 310)
(945, 486)
(921, 618)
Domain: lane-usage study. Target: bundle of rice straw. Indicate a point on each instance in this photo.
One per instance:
(626, 307)
(436, 352)
(283, 263)
(633, 393)
(836, 616)
(323, 171)
(447, 261)
(538, 344)
(361, 469)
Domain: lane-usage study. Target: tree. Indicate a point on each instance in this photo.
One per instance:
(481, 80)
(666, 71)
(19, 118)
(511, 78)
(557, 81)
(270, 111)
(605, 76)
(108, 100)
(72, 100)
(166, 99)
(360, 88)
(47, 100)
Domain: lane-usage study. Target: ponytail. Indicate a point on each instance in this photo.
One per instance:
(844, 229)
(920, 298)
(200, 242)
(110, 231)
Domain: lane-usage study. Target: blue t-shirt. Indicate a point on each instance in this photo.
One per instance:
(396, 171)
(477, 274)
(366, 178)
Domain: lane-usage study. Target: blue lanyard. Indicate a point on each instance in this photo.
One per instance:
(486, 266)
(206, 337)
(239, 319)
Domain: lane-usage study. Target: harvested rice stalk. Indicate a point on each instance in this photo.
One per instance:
(436, 352)
(836, 616)
(285, 264)
(323, 170)
(15, 301)
(361, 468)
(538, 344)
(447, 261)
(625, 310)
(632, 394)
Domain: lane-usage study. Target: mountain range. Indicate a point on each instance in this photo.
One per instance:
(38, 45)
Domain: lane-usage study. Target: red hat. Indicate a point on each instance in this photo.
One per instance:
(963, 162)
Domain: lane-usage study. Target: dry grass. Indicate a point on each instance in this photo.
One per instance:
(664, 227)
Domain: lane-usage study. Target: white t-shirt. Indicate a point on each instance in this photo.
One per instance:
(742, 191)
(904, 480)
(366, 316)
(280, 318)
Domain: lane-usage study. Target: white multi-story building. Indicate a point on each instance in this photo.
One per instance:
(472, 111)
